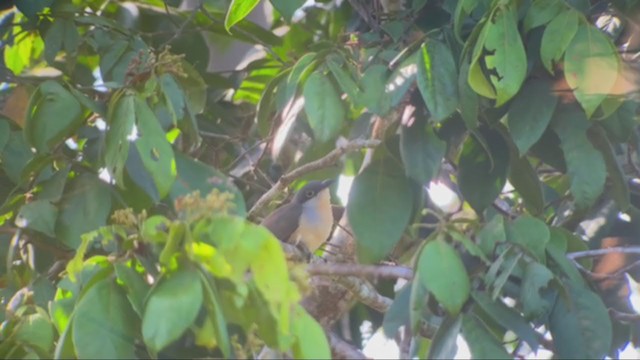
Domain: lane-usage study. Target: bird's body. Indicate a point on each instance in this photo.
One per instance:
(306, 220)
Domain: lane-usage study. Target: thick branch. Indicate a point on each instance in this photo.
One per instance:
(343, 350)
(384, 271)
(324, 162)
(366, 293)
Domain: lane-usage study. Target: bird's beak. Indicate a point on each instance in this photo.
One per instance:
(327, 183)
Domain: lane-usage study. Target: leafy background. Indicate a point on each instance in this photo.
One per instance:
(141, 142)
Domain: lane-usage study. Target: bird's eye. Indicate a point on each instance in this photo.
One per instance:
(309, 194)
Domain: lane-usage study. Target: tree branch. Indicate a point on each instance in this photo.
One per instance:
(326, 161)
(601, 252)
(342, 349)
(366, 293)
(384, 271)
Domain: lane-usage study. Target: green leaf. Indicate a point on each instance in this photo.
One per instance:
(437, 79)
(39, 215)
(265, 106)
(621, 124)
(530, 113)
(15, 156)
(5, 133)
(557, 37)
(27, 47)
(402, 78)
(53, 115)
(581, 329)
(398, 314)
(451, 291)
(154, 149)
(471, 247)
(590, 66)
(298, 73)
(53, 40)
(482, 176)
(379, 209)
(476, 78)
(469, 101)
(585, 165)
(104, 324)
(421, 151)
(135, 286)
(373, 84)
(171, 308)
(536, 277)
(121, 118)
(86, 198)
(194, 87)
(53, 188)
(194, 175)
(491, 234)
(238, 10)
(463, 8)
(31, 8)
(525, 180)
(35, 330)
(287, 8)
(173, 96)
(529, 232)
(444, 345)
(345, 80)
(417, 301)
(323, 106)
(541, 12)
(508, 58)
(311, 341)
(557, 250)
(482, 344)
(619, 185)
(508, 318)
(216, 316)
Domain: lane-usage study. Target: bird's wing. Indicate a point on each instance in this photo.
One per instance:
(284, 221)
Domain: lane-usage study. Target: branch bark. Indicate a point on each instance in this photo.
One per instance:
(340, 349)
(383, 271)
(324, 162)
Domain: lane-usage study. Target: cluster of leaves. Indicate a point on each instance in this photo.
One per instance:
(500, 90)
(104, 306)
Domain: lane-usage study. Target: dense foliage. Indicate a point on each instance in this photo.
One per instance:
(136, 141)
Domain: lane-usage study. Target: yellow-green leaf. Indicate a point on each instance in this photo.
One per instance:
(591, 66)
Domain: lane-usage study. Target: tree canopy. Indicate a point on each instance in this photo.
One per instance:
(142, 142)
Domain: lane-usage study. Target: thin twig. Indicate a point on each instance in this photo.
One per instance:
(601, 252)
(324, 162)
(182, 27)
(384, 271)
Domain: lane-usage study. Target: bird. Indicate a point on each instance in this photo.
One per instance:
(307, 220)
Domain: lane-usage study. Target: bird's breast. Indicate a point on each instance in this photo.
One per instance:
(316, 221)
